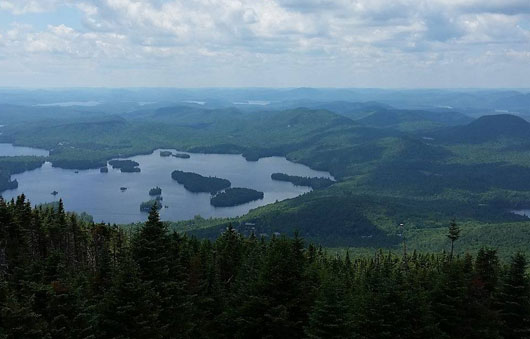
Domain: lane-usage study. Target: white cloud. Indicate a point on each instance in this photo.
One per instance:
(28, 6)
(345, 37)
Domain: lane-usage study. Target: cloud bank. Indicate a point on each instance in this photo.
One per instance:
(278, 43)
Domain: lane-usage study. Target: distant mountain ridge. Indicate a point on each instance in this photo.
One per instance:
(395, 117)
(489, 128)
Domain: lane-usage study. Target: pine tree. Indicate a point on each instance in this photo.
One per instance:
(515, 300)
(18, 319)
(130, 308)
(453, 235)
(150, 249)
(331, 314)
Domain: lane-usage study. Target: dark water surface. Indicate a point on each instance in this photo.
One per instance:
(99, 194)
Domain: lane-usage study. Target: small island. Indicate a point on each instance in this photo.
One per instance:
(314, 183)
(196, 183)
(104, 169)
(155, 191)
(176, 155)
(125, 166)
(146, 206)
(235, 196)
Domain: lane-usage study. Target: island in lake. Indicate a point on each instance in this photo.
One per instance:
(146, 206)
(155, 191)
(314, 183)
(196, 183)
(176, 155)
(125, 166)
(235, 196)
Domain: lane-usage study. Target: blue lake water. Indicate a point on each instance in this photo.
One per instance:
(99, 194)
(524, 213)
(11, 151)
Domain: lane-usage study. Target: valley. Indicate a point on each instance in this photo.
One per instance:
(391, 166)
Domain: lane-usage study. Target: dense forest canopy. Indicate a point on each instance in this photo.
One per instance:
(62, 277)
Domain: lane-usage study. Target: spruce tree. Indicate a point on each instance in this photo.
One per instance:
(150, 249)
(515, 300)
(453, 235)
(130, 308)
(331, 314)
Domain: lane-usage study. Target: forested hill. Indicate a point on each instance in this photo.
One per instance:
(489, 128)
(61, 277)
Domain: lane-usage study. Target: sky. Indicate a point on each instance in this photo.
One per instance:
(265, 43)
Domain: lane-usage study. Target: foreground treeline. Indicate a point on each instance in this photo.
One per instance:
(64, 278)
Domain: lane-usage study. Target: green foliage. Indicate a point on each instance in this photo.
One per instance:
(147, 206)
(126, 166)
(235, 196)
(391, 167)
(15, 165)
(314, 183)
(62, 277)
(515, 293)
(155, 191)
(194, 182)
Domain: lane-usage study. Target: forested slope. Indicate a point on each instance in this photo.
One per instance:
(61, 277)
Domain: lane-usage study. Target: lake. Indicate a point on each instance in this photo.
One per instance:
(99, 194)
(10, 151)
(524, 213)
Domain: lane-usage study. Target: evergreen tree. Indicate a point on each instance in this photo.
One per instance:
(515, 300)
(331, 316)
(453, 235)
(62, 277)
(150, 249)
(130, 308)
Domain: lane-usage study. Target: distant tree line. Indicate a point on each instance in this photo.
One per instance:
(62, 277)
(314, 183)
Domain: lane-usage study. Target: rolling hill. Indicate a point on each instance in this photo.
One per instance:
(488, 128)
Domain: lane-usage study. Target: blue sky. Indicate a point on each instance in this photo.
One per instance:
(266, 43)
